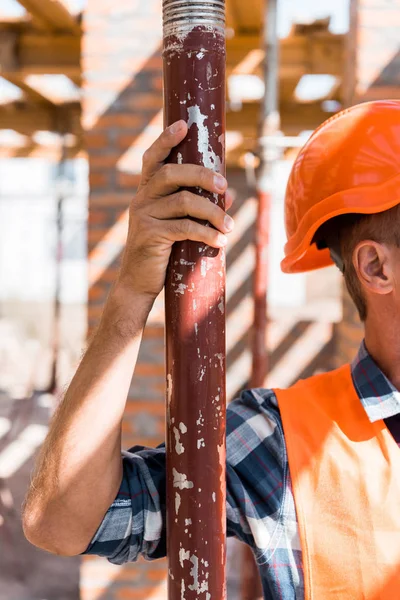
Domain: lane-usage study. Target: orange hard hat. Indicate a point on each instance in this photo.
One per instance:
(350, 164)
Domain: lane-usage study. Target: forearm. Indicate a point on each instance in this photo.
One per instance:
(79, 468)
(78, 472)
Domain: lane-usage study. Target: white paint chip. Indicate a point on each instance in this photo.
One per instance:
(182, 287)
(210, 158)
(183, 555)
(177, 502)
(181, 481)
(179, 448)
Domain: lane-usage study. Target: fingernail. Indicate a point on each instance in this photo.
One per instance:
(222, 240)
(220, 182)
(229, 223)
(175, 127)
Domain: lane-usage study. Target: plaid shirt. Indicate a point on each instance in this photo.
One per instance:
(260, 504)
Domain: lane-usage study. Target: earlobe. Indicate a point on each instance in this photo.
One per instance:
(372, 262)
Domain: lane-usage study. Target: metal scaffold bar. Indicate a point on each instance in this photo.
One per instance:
(269, 152)
(270, 145)
(194, 88)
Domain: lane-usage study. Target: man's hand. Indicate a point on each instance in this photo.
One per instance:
(79, 469)
(160, 213)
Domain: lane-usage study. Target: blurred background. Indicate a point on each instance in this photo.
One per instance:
(80, 101)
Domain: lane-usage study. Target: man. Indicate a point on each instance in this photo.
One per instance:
(313, 473)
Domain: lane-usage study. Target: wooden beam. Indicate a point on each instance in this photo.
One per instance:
(231, 20)
(8, 50)
(32, 150)
(50, 55)
(32, 54)
(53, 14)
(319, 53)
(27, 53)
(295, 118)
(249, 14)
(379, 92)
(26, 118)
(14, 23)
(31, 93)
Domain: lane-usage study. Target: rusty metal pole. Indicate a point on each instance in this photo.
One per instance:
(194, 88)
(269, 127)
(268, 152)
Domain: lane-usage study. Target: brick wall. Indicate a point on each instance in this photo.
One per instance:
(374, 46)
(121, 115)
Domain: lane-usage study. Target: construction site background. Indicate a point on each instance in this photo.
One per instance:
(80, 100)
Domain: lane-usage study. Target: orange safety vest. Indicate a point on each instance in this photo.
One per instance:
(345, 474)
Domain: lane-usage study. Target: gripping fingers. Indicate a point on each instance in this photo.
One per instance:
(186, 204)
(171, 177)
(186, 229)
(154, 157)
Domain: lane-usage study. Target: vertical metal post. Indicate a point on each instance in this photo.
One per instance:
(269, 127)
(194, 88)
(56, 327)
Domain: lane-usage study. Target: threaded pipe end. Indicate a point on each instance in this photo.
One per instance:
(181, 16)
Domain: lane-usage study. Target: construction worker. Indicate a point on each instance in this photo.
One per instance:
(313, 472)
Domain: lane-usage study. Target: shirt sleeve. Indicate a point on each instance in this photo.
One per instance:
(134, 525)
(257, 472)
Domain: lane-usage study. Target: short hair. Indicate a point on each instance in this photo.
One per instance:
(342, 234)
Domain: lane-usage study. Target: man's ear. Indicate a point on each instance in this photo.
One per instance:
(373, 264)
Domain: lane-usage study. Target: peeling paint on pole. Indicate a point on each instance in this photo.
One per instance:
(194, 87)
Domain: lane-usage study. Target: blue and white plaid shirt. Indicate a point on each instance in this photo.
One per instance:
(260, 504)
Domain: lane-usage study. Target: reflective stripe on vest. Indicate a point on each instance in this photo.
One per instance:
(345, 474)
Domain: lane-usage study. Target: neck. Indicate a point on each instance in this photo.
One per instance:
(383, 343)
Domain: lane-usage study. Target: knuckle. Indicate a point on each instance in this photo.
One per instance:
(186, 225)
(201, 175)
(146, 156)
(167, 172)
(174, 227)
(206, 176)
(184, 201)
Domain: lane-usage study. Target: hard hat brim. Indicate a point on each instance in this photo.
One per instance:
(301, 255)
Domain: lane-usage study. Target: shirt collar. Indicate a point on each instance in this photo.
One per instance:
(378, 395)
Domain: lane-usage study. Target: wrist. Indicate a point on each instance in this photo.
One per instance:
(126, 310)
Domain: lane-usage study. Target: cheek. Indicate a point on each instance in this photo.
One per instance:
(395, 263)
(396, 279)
